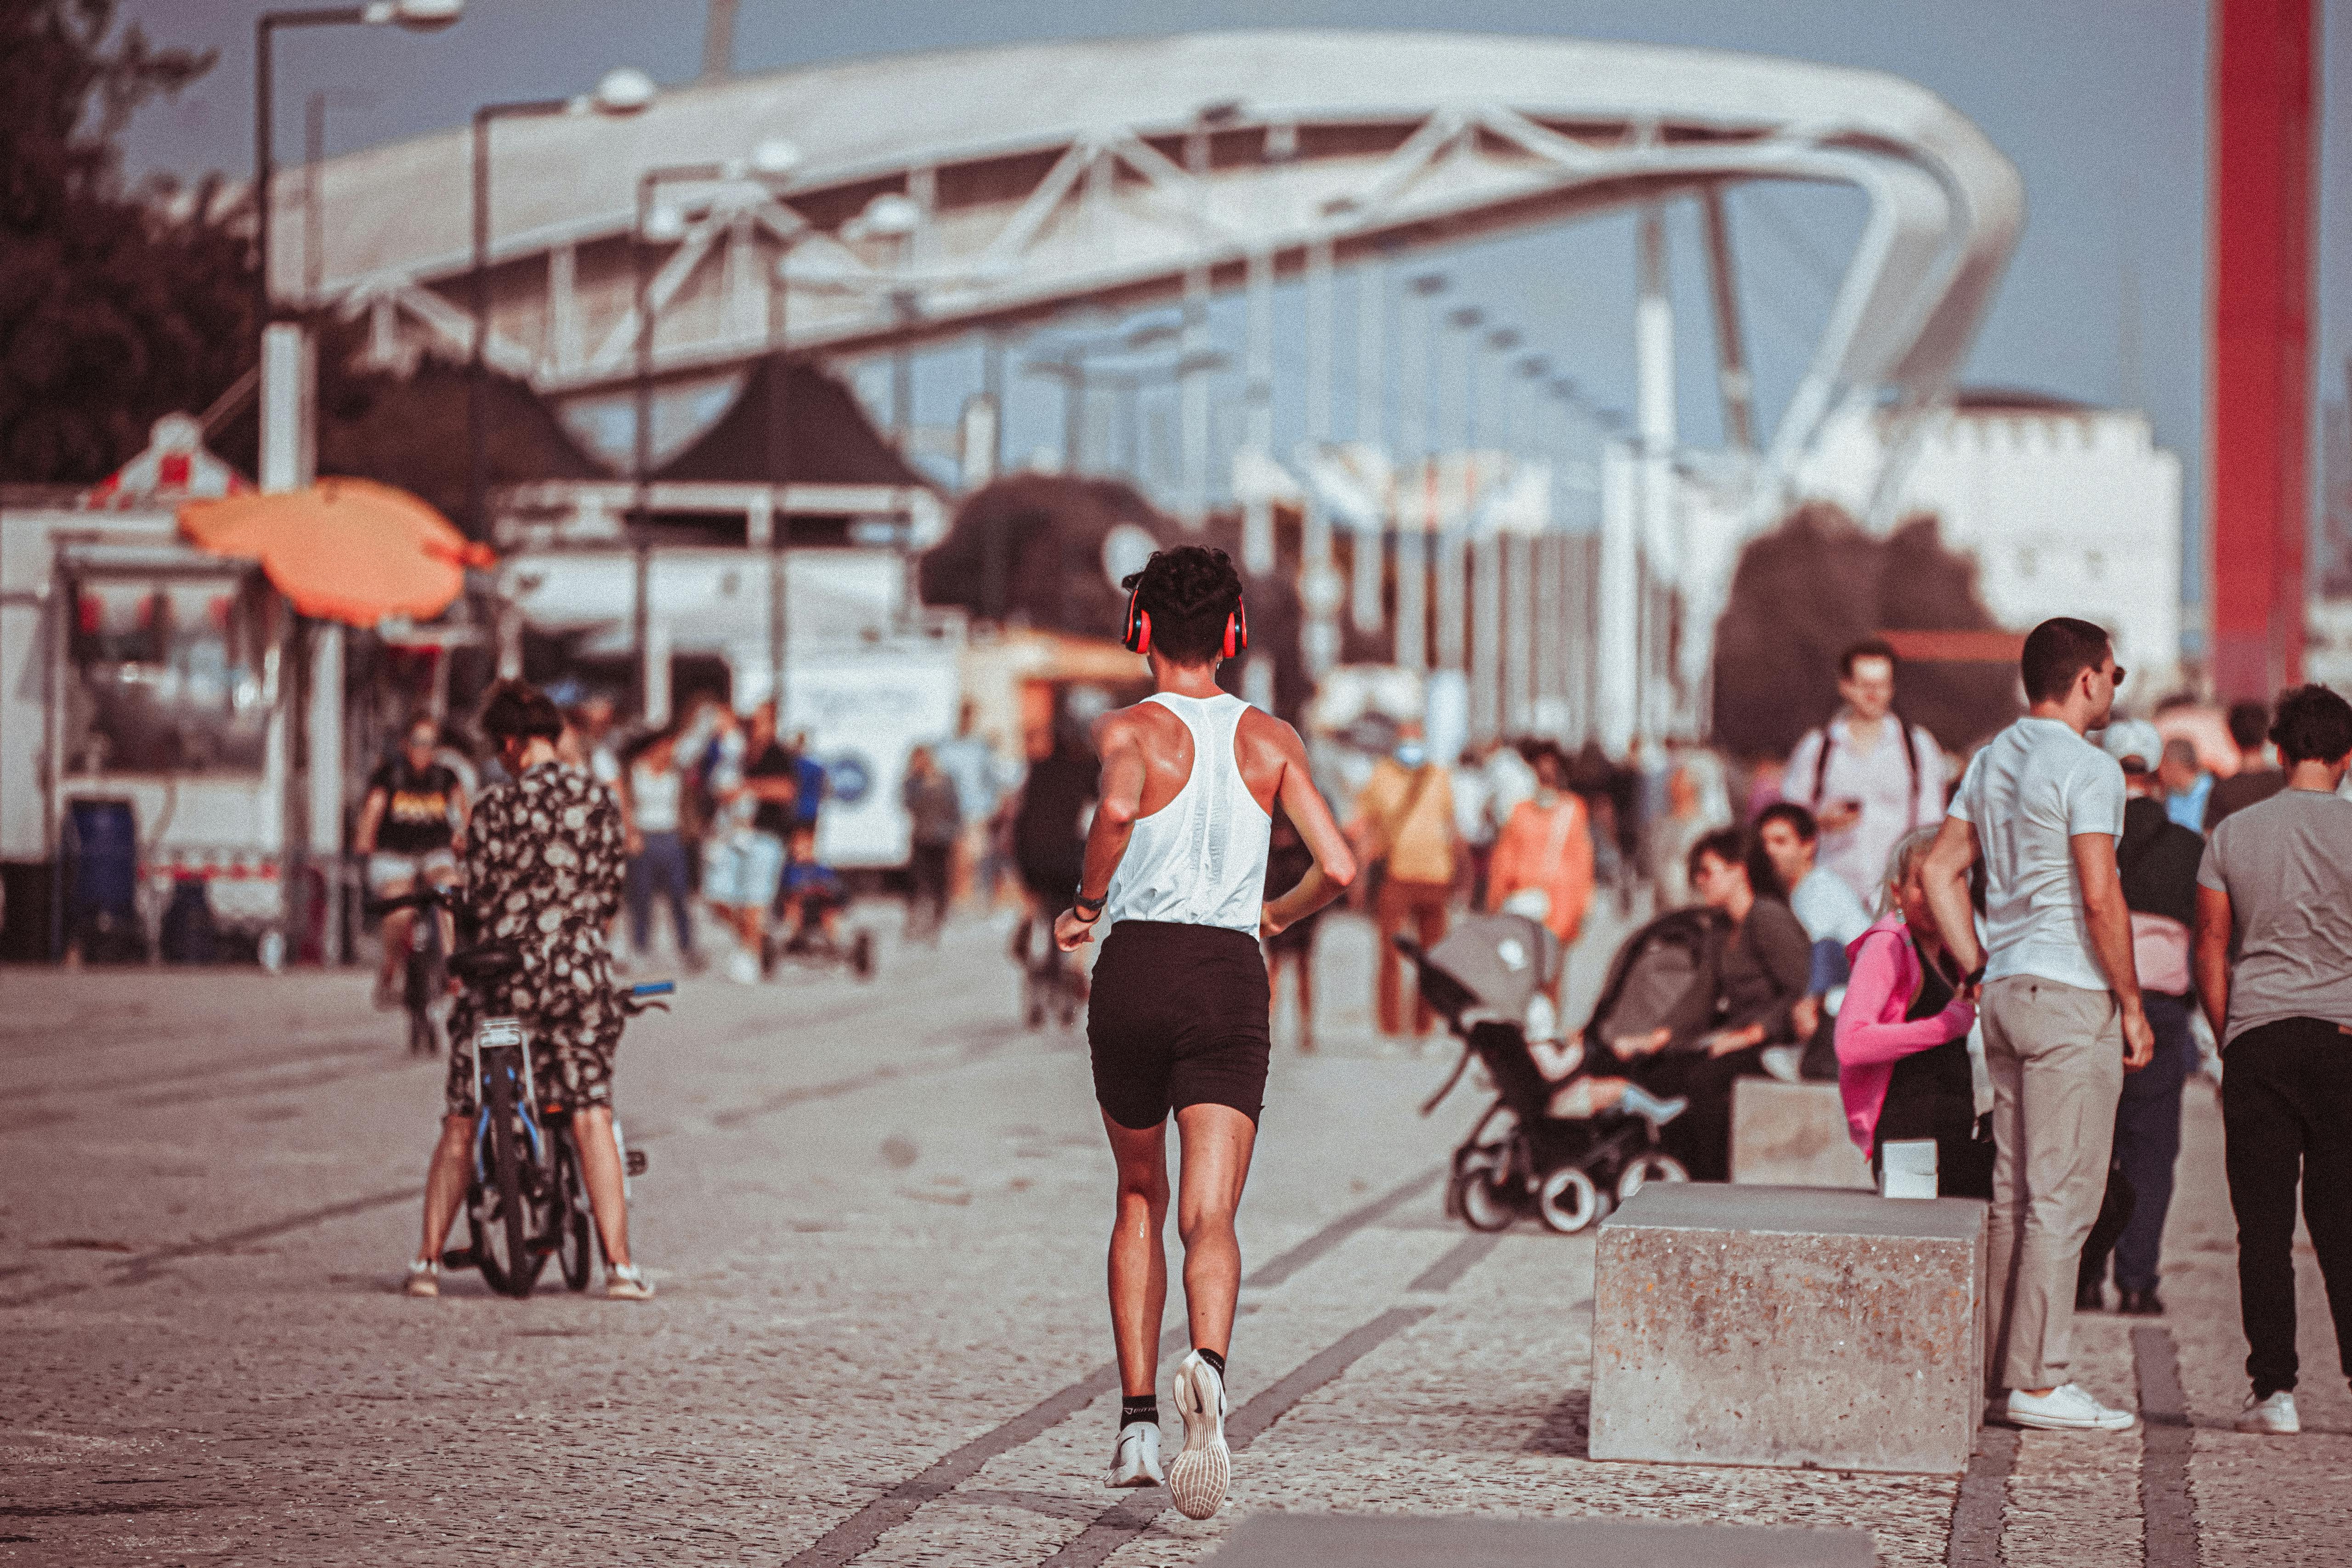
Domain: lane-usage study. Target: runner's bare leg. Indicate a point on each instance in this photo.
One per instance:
(1216, 1142)
(1139, 1256)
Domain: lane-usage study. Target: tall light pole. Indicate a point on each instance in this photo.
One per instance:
(623, 91)
(416, 16)
(1417, 515)
(769, 161)
(896, 218)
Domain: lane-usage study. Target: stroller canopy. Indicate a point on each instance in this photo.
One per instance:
(1502, 961)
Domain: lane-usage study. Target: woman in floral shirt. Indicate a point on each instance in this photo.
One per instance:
(545, 855)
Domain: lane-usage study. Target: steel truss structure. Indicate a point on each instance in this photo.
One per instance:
(1056, 176)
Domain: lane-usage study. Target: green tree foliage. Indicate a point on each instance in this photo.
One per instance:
(1817, 584)
(116, 306)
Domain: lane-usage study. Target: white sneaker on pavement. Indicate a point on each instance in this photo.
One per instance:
(1135, 1462)
(425, 1280)
(2271, 1414)
(1198, 1478)
(627, 1283)
(2065, 1408)
(743, 968)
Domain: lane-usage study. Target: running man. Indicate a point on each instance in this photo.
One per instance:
(1178, 1020)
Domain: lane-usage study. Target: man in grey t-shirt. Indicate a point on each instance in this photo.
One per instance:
(2274, 974)
(2042, 808)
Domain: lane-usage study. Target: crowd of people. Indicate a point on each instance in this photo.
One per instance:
(2010, 967)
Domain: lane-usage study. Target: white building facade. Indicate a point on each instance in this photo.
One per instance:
(2068, 509)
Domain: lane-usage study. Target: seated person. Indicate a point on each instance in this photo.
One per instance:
(1763, 1001)
(811, 892)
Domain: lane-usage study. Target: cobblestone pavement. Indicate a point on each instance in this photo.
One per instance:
(875, 1216)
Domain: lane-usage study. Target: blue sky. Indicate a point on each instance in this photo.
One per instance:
(2101, 103)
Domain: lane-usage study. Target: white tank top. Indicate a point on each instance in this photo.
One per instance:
(1200, 860)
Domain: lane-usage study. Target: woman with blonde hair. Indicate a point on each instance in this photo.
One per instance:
(1902, 1035)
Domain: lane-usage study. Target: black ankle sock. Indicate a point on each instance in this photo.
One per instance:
(1137, 1407)
(1214, 1358)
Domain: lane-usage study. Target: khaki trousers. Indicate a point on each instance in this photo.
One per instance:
(2056, 1057)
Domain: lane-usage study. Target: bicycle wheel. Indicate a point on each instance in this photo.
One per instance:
(511, 1232)
(570, 1212)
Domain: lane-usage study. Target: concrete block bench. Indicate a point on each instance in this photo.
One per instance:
(1784, 1325)
(1396, 1541)
(1794, 1135)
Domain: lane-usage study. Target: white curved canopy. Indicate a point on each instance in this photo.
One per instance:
(1056, 174)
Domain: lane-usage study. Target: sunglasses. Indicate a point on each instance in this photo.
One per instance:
(2116, 679)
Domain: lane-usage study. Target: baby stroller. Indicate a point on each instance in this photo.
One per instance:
(1489, 978)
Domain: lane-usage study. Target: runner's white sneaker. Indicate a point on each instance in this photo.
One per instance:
(425, 1280)
(627, 1283)
(2272, 1415)
(1198, 1478)
(2065, 1408)
(1136, 1461)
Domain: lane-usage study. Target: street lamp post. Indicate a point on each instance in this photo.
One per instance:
(772, 160)
(416, 16)
(620, 91)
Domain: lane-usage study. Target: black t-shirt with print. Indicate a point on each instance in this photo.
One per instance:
(416, 812)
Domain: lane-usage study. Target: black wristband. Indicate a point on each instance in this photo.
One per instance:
(1087, 908)
(1974, 977)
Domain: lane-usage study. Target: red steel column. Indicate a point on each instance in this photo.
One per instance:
(2259, 376)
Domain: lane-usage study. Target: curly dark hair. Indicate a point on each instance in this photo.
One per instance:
(1188, 592)
(2314, 724)
(518, 710)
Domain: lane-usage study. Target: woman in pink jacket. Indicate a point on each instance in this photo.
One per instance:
(1903, 1037)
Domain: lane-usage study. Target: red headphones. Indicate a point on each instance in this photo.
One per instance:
(1136, 630)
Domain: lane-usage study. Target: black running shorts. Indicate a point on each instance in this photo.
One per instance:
(1177, 1015)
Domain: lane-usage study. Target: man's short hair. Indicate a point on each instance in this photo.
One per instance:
(1868, 648)
(518, 710)
(2182, 750)
(2314, 724)
(2249, 721)
(2056, 652)
(1188, 592)
(1800, 820)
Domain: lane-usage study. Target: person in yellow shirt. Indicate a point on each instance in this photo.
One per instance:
(1404, 821)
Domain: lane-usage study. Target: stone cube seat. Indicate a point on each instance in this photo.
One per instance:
(1789, 1326)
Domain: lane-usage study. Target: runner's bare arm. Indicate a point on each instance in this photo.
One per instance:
(1945, 876)
(1119, 800)
(1334, 859)
(2212, 958)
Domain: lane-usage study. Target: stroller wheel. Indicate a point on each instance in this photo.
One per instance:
(1646, 1168)
(1569, 1200)
(1481, 1200)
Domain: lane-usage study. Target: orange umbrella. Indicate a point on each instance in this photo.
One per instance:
(344, 549)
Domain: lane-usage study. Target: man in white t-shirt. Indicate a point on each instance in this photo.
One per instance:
(2042, 808)
(1867, 777)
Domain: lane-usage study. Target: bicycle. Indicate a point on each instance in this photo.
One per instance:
(425, 975)
(527, 1199)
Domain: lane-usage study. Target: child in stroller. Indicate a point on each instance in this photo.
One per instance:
(1566, 1135)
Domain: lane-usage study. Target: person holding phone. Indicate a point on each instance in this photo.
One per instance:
(1867, 776)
